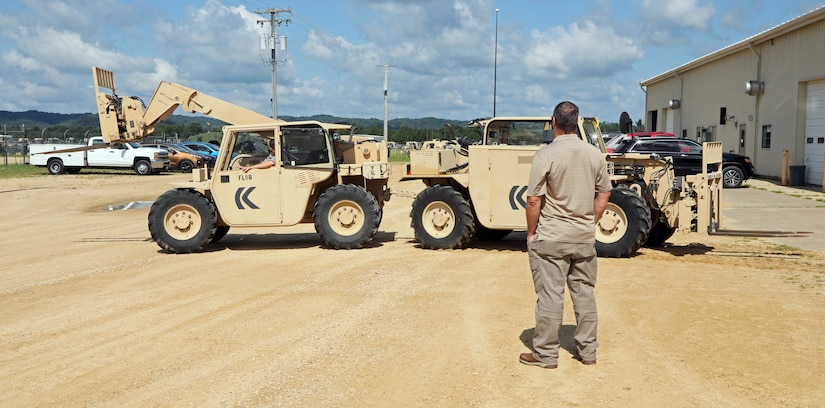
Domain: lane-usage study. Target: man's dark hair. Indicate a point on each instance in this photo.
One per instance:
(566, 116)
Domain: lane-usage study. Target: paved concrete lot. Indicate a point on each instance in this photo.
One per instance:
(766, 205)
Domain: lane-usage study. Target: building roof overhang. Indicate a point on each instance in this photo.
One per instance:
(802, 21)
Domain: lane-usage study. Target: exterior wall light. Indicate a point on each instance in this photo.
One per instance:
(674, 104)
(754, 87)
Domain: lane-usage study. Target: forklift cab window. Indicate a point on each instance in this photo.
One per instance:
(302, 146)
(251, 148)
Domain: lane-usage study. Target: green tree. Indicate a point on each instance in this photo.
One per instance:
(193, 128)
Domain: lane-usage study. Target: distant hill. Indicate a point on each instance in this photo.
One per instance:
(32, 119)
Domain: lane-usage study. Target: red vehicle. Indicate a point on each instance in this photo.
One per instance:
(651, 134)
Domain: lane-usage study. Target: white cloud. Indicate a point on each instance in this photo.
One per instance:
(215, 43)
(442, 53)
(580, 50)
(680, 13)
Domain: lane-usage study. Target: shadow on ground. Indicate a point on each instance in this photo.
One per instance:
(566, 340)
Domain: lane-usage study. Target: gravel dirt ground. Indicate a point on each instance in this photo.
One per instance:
(93, 314)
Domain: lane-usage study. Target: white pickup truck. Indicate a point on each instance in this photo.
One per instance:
(70, 158)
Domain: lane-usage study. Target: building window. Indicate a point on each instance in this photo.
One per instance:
(708, 134)
(766, 136)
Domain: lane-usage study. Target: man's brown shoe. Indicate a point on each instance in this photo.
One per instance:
(527, 358)
(585, 362)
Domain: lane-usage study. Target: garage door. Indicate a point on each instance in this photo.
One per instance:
(815, 133)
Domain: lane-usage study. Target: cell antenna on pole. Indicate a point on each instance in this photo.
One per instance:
(270, 42)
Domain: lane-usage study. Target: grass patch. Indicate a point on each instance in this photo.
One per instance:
(785, 248)
(399, 157)
(22, 170)
(27, 170)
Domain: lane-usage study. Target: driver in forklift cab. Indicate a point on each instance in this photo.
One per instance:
(267, 163)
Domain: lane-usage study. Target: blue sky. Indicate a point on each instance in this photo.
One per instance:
(593, 53)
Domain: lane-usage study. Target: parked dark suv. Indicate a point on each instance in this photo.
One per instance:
(687, 157)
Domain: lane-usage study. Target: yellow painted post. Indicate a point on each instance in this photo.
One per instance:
(785, 168)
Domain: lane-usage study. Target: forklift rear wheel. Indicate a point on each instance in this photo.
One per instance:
(624, 225)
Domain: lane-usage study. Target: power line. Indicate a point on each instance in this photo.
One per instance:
(272, 41)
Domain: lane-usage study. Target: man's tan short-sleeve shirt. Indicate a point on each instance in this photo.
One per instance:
(568, 172)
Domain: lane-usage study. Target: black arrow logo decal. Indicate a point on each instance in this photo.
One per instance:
(515, 196)
(244, 198)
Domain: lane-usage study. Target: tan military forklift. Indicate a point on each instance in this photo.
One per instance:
(322, 173)
(479, 190)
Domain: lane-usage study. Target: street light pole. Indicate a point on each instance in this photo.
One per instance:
(495, 67)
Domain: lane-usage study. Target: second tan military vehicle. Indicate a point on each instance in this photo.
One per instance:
(479, 190)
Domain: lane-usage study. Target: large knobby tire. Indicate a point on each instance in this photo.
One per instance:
(624, 226)
(56, 167)
(732, 177)
(182, 221)
(346, 217)
(143, 167)
(659, 234)
(442, 218)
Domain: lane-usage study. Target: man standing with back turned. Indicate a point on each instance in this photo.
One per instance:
(567, 193)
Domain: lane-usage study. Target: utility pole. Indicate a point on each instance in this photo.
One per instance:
(270, 42)
(495, 66)
(386, 80)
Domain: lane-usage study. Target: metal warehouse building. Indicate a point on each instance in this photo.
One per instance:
(759, 97)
